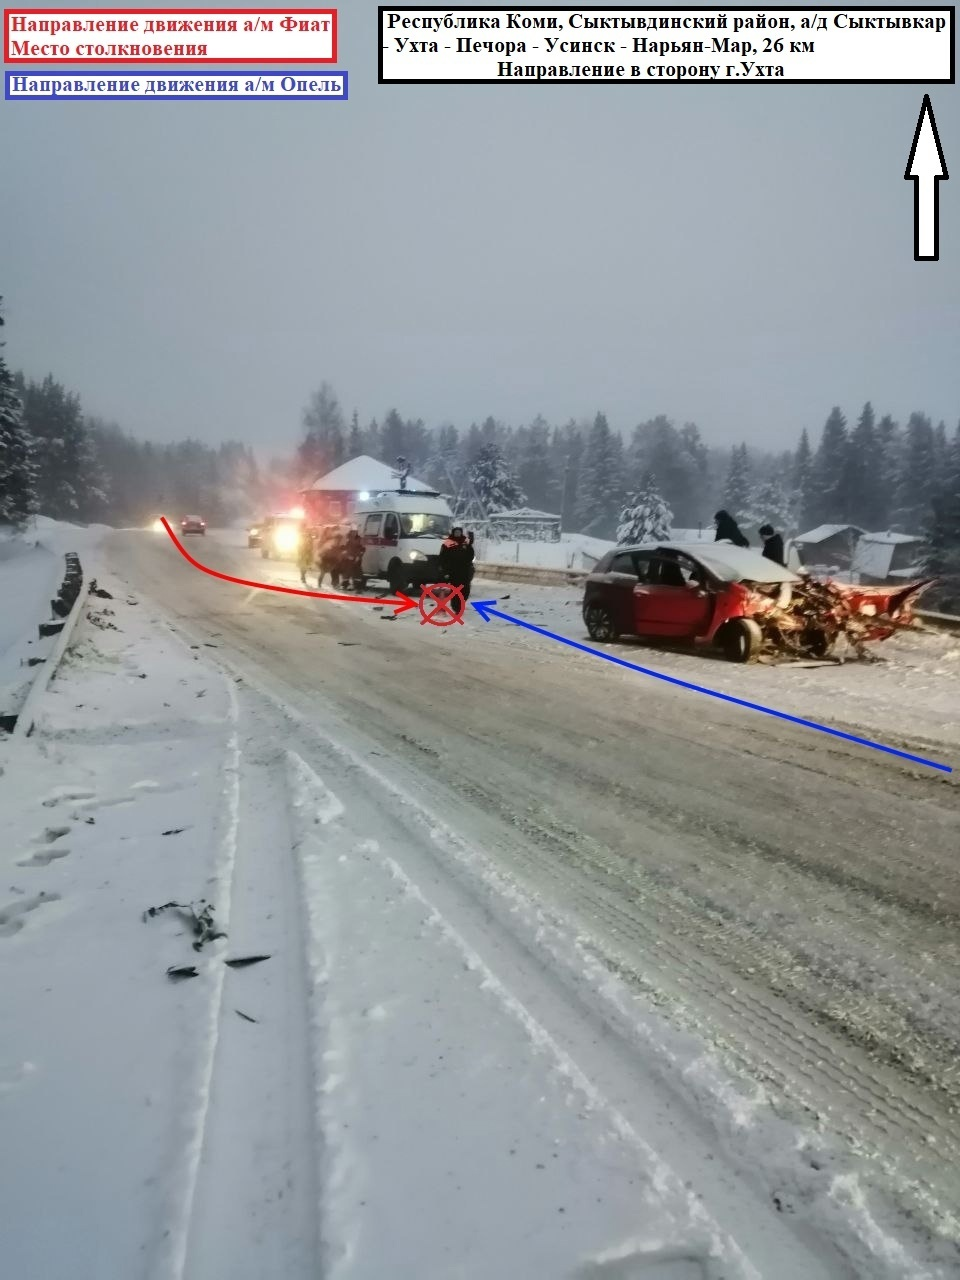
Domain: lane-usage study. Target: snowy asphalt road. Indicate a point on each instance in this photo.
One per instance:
(792, 900)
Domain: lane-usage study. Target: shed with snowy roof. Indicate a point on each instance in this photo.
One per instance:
(888, 557)
(828, 545)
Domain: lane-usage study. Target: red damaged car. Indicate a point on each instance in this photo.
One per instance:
(735, 599)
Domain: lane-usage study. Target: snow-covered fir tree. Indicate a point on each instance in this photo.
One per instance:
(69, 478)
(646, 516)
(770, 503)
(17, 467)
(495, 484)
(801, 482)
(736, 490)
(943, 525)
(322, 447)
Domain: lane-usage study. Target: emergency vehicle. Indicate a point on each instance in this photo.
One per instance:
(402, 533)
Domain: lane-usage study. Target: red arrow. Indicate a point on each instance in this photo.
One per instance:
(401, 601)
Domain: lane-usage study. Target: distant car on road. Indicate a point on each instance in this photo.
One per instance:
(193, 524)
(731, 597)
(255, 534)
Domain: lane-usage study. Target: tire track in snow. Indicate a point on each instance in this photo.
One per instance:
(172, 1262)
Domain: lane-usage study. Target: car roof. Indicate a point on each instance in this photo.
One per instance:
(725, 561)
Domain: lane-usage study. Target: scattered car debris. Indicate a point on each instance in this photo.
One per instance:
(199, 917)
(817, 618)
(174, 831)
(245, 1016)
(179, 971)
(242, 961)
(208, 645)
(388, 617)
(99, 591)
(35, 662)
(348, 644)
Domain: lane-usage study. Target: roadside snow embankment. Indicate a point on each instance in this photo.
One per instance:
(115, 805)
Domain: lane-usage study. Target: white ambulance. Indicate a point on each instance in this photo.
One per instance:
(402, 532)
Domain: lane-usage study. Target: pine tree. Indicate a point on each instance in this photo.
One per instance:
(646, 516)
(677, 458)
(770, 503)
(322, 447)
(862, 481)
(534, 470)
(69, 483)
(736, 491)
(17, 465)
(602, 481)
(943, 524)
(801, 482)
(355, 445)
(831, 503)
(496, 486)
(890, 449)
(918, 475)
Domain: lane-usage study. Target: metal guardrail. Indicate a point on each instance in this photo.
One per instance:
(939, 621)
(67, 606)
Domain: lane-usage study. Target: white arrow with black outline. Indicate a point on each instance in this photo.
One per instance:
(926, 169)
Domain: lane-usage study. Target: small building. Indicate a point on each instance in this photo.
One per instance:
(523, 525)
(331, 498)
(828, 546)
(888, 557)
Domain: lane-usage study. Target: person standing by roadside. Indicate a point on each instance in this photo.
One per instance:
(353, 561)
(728, 530)
(456, 560)
(306, 552)
(331, 555)
(772, 544)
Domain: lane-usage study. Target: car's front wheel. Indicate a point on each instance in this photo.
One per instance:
(600, 623)
(741, 640)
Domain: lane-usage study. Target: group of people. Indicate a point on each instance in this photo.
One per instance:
(335, 552)
(729, 531)
(339, 553)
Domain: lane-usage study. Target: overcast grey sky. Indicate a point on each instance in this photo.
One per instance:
(741, 257)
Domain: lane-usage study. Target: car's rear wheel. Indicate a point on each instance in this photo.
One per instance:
(741, 640)
(600, 623)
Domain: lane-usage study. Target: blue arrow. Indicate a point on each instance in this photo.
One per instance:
(486, 610)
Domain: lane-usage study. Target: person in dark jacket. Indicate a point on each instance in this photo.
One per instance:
(772, 544)
(456, 560)
(330, 556)
(353, 561)
(728, 530)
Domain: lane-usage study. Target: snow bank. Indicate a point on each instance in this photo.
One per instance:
(112, 807)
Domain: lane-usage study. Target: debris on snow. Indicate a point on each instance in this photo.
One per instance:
(242, 961)
(200, 921)
(179, 971)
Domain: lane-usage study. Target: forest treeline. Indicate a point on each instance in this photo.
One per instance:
(868, 470)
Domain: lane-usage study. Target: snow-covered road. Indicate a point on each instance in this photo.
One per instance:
(570, 974)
